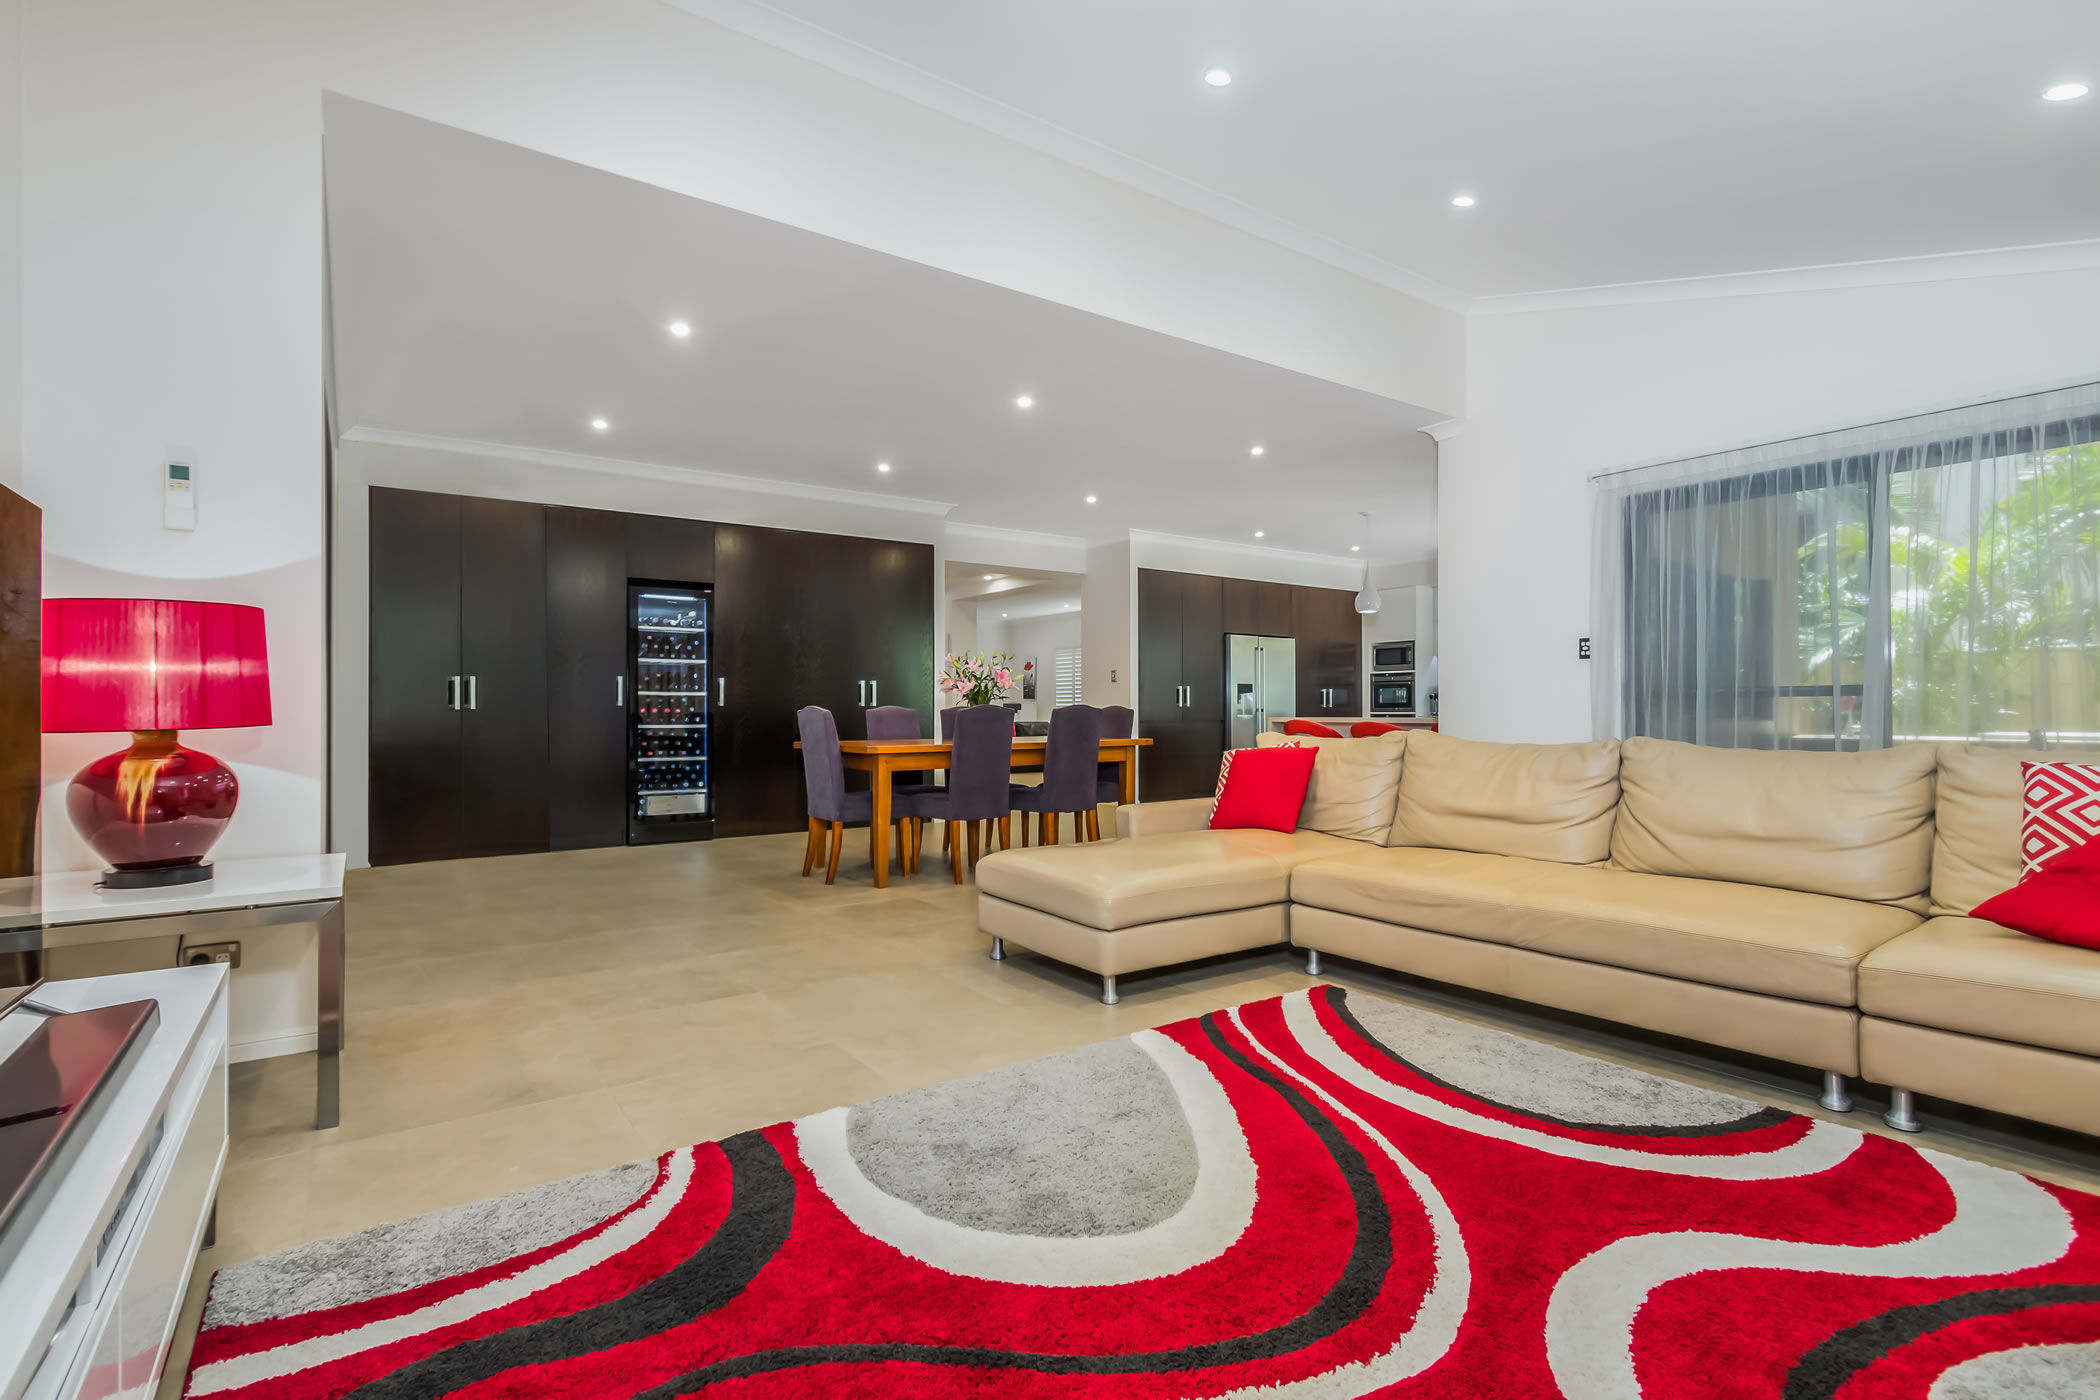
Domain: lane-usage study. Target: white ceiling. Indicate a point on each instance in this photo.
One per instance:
(1012, 594)
(1626, 141)
(489, 294)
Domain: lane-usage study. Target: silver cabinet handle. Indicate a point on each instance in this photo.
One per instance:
(473, 692)
(864, 695)
(620, 691)
(452, 693)
(874, 692)
(721, 690)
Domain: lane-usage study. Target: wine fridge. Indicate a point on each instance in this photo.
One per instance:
(670, 684)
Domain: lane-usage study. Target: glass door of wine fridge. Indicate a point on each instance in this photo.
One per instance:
(670, 795)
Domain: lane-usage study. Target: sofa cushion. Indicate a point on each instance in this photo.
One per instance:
(1541, 801)
(1354, 784)
(1750, 937)
(1852, 825)
(1117, 884)
(1971, 976)
(1976, 843)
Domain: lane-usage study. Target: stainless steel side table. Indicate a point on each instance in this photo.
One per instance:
(70, 909)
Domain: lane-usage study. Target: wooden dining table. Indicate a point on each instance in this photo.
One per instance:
(883, 759)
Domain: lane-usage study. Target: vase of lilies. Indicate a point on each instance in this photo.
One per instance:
(979, 677)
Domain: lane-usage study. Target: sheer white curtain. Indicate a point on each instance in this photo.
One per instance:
(1930, 577)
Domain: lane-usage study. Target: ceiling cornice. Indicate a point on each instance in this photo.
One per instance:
(999, 534)
(2074, 255)
(1252, 551)
(792, 34)
(652, 471)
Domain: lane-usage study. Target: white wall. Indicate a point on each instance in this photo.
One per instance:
(172, 215)
(1555, 396)
(1035, 639)
(1108, 626)
(11, 243)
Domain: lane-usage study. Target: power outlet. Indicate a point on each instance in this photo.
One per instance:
(202, 954)
(1582, 649)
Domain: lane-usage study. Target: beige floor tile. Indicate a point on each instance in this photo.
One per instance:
(356, 1182)
(712, 1101)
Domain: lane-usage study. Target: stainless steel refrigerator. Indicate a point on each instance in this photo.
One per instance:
(1261, 679)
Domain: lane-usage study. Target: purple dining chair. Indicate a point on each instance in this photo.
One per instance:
(979, 772)
(1071, 776)
(1117, 722)
(831, 808)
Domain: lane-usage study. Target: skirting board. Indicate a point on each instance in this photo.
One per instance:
(268, 1047)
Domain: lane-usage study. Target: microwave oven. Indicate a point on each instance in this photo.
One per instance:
(1392, 656)
(1392, 693)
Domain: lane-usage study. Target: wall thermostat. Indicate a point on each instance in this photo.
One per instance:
(179, 494)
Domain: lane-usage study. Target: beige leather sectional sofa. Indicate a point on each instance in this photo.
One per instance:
(1803, 906)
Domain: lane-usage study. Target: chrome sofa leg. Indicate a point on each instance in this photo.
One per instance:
(1312, 962)
(998, 950)
(1108, 989)
(1834, 1096)
(1903, 1112)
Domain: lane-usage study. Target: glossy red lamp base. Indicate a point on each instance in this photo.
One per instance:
(153, 811)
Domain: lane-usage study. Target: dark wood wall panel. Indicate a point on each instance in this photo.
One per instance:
(21, 726)
(503, 647)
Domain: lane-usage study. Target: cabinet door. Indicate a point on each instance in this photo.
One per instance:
(897, 610)
(669, 549)
(757, 772)
(1202, 739)
(503, 650)
(1324, 622)
(587, 677)
(1159, 647)
(414, 801)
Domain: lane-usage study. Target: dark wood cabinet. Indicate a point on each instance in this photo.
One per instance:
(503, 653)
(1330, 636)
(458, 752)
(415, 778)
(1181, 682)
(1183, 620)
(586, 677)
(499, 652)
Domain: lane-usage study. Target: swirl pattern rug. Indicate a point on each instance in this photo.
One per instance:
(1305, 1197)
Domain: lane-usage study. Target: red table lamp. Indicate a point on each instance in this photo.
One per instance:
(153, 666)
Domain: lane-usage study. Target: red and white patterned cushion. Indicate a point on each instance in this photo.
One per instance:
(2060, 810)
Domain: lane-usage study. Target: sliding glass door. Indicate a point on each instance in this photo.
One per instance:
(1938, 578)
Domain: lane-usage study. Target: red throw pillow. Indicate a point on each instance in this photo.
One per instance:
(1306, 726)
(1371, 729)
(2060, 810)
(1262, 787)
(2059, 902)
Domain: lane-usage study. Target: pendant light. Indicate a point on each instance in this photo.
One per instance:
(1367, 596)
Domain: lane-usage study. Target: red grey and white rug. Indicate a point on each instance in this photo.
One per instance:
(1309, 1197)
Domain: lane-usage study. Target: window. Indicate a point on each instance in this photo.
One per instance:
(1068, 686)
(1931, 578)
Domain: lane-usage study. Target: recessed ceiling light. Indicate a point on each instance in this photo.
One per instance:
(1259, 533)
(2066, 92)
(1218, 77)
(681, 329)
(1355, 549)
(1091, 499)
(882, 466)
(1256, 450)
(1025, 401)
(600, 424)
(990, 577)
(1462, 201)
(1002, 614)
(1068, 607)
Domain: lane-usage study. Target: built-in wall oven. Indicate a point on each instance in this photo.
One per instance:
(1392, 694)
(1392, 656)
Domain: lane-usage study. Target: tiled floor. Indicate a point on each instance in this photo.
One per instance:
(517, 1020)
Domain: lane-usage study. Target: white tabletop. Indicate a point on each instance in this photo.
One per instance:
(75, 897)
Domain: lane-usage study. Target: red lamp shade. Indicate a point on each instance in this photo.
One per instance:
(153, 666)
(153, 663)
